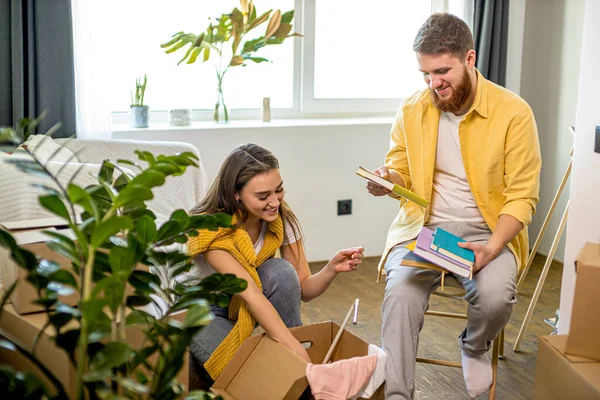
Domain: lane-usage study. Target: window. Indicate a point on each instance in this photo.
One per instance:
(363, 50)
(135, 33)
(355, 57)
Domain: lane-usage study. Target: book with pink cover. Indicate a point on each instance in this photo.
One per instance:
(423, 249)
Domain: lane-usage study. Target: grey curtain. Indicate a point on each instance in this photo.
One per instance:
(36, 63)
(490, 31)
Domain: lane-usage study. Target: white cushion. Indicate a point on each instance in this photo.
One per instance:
(44, 147)
(19, 196)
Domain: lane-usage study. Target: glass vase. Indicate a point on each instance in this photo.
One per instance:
(220, 111)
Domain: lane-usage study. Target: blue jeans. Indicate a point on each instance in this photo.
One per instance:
(281, 287)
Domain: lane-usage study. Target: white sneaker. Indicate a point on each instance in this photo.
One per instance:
(477, 371)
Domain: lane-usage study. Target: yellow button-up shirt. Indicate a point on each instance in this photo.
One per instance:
(500, 152)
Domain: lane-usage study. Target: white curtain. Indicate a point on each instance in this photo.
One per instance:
(93, 118)
(464, 9)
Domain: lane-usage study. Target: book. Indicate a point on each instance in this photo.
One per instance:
(397, 189)
(446, 243)
(413, 260)
(423, 249)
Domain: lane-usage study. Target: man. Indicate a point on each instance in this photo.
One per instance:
(471, 147)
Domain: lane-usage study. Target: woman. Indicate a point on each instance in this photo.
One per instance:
(249, 187)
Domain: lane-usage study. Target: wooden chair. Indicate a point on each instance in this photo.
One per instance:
(454, 290)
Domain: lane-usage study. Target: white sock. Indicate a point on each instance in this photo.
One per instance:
(477, 371)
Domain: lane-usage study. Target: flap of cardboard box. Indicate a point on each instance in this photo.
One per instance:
(559, 342)
(589, 255)
(263, 369)
(557, 377)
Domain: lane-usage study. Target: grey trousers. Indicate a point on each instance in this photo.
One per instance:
(281, 287)
(491, 296)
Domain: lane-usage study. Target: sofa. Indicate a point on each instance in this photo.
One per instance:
(19, 196)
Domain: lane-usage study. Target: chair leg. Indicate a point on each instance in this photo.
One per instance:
(501, 352)
(495, 356)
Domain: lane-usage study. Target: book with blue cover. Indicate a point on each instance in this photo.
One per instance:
(446, 243)
(423, 249)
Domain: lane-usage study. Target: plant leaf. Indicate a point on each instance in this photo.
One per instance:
(78, 195)
(273, 24)
(5, 344)
(112, 355)
(257, 60)
(132, 385)
(137, 300)
(287, 17)
(132, 194)
(149, 179)
(109, 228)
(257, 21)
(55, 205)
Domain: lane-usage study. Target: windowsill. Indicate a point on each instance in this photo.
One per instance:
(248, 124)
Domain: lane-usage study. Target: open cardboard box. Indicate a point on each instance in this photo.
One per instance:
(28, 234)
(560, 376)
(263, 369)
(584, 333)
(24, 328)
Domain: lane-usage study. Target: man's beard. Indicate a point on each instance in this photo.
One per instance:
(459, 97)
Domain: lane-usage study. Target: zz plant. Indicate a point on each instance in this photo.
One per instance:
(116, 235)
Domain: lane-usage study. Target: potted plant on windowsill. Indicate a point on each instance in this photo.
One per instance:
(235, 25)
(139, 111)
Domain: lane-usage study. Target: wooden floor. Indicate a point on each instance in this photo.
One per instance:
(516, 377)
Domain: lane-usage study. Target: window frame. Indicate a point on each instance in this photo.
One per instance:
(304, 103)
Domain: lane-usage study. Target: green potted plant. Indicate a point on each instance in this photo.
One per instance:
(117, 233)
(139, 111)
(233, 27)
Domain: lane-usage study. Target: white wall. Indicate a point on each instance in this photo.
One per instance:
(549, 82)
(317, 165)
(583, 224)
(514, 52)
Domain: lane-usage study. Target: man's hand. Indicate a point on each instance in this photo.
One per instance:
(374, 188)
(508, 227)
(483, 254)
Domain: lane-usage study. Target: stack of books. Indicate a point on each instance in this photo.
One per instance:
(441, 249)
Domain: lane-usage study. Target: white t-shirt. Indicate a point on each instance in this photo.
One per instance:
(452, 199)
(202, 269)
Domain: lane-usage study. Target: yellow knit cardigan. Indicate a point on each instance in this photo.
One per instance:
(239, 245)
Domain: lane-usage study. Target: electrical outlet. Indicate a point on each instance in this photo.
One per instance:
(344, 207)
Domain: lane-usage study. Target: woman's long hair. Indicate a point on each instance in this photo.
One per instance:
(242, 164)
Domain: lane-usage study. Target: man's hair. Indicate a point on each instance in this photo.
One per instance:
(444, 33)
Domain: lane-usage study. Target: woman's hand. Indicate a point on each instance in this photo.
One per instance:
(296, 347)
(346, 260)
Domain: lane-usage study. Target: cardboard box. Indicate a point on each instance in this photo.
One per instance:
(24, 328)
(584, 334)
(263, 369)
(560, 376)
(28, 235)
